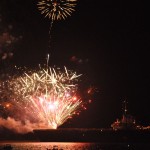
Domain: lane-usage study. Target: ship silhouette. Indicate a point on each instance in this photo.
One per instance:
(124, 130)
(127, 122)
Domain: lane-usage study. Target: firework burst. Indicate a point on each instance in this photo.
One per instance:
(48, 96)
(56, 9)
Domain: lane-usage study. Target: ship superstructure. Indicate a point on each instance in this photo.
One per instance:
(127, 122)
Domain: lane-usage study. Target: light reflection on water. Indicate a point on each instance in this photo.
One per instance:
(73, 146)
(51, 146)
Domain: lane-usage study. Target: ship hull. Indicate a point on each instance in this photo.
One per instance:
(92, 135)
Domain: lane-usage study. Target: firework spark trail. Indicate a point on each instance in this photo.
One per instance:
(48, 96)
(44, 80)
(50, 36)
(56, 9)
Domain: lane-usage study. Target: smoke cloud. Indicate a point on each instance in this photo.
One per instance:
(20, 127)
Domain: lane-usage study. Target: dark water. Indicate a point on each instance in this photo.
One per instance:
(75, 146)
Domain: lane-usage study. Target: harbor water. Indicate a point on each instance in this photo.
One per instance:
(73, 146)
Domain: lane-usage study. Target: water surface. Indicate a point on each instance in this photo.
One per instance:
(74, 146)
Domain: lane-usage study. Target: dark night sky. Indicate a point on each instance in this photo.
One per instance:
(112, 35)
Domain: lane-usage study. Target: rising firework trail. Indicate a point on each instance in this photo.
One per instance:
(56, 10)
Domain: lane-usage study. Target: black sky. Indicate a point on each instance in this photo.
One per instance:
(112, 35)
